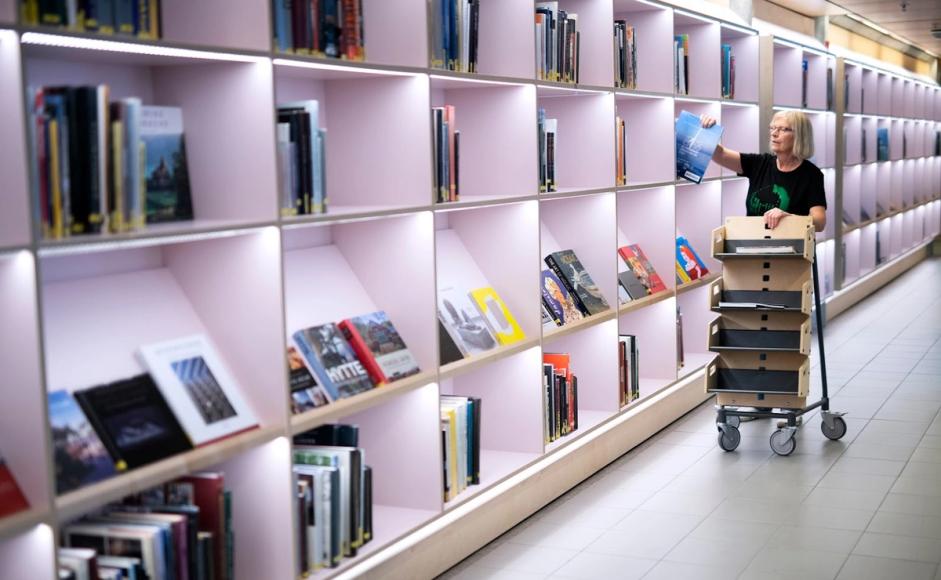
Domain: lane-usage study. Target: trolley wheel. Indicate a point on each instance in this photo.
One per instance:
(783, 443)
(733, 420)
(838, 431)
(729, 438)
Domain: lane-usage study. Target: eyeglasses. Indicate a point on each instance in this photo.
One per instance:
(772, 129)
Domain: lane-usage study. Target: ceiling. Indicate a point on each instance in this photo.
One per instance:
(914, 24)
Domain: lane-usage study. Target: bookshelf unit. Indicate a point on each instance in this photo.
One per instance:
(248, 278)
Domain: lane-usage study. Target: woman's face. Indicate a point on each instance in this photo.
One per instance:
(782, 135)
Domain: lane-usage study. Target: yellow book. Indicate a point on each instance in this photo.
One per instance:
(29, 12)
(498, 317)
(58, 221)
(118, 223)
(456, 486)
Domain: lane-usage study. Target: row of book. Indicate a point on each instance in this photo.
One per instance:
(728, 72)
(302, 159)
(560, 396)
(628, 373)
(557, 43)
(447, 145)
(620, 143)
(333, 361)
(181, 530)
(455, 26)
(625, 55)
(101, 166)
(547, 147)
(460, 442)
(681, 64)
(140, 18)
(321, 28)
(334, 490)
(186, 399)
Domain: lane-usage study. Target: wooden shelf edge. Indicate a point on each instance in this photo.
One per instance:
(467, 496)
(343, 407)
(75, 503)
(683, 288)
(579, 325)
(19, 522)
(645, 301)
(321, 218)
(456, 368)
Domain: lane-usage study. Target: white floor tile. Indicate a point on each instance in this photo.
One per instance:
(899, 547)
(710, 552)
(522, 558)
(804, 564)
(857, 482)
(910, 504)
(860, 465)
(666, 570)
(589, 566)
(550, 534)
(845, 499)
(800, 538)
(927, 454)
(825, 516)
(906, 525)
(683, 503)
(868, 568)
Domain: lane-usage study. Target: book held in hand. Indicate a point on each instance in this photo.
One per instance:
(332, 360)
(80, 456)
(379, 346)
(694, 146)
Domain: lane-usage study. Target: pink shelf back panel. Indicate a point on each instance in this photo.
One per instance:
(655, 329)
(585, 156)
(852, 192)
(898, 97)
(22, 423)
(869, 96)
(510, 390)
(898, 195)
(646, 218)
(31, 554)
(596, 62)
(897, 234)
(402, 440)
(594, 360)
(653, 37)
(884, 100)
(694, 305)
(396, 32)
(15, 196)
(883, 187)
(221, 23)
(262, 540)
(740, 130)
(507, 43)
(698, 211)
(852, 127)
(648, 145)
(829, 186)
(895, 140)
(854, 87)
(734, 192)
(8, 11)
(867, 249)
(745, 52)
(705, 73)
(697, 108)
(587, 226)
(816, 81)
(908, 181)
(122, 80)
(787, 76)
(819, 123)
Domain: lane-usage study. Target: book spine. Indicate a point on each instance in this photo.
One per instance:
(362, 351)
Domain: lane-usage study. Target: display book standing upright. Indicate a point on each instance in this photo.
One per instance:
(763, 332)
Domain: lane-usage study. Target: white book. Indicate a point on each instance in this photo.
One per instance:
(198, 388)
(322, 535)
(765, 250)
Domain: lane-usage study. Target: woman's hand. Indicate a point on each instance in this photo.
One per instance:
(706, 121)
(773, 217)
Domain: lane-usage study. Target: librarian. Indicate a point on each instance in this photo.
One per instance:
(782, 182)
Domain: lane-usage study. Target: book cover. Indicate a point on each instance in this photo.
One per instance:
(206, 490)
(448, 350)
(198, 387)
(557, 300)
(331, 359)
(167, 175)
(694, 146)
(306, 394)
(570, 271)
(12, 499)
(882, 144)
(635, 257)
(464, 322)
(134, 421)
(80, 456)
(631, 284)
(379, 346)
(689, 266)
(496, 315)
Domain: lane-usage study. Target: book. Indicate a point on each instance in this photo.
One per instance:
(635, 257)
(134, 421)
(496, 315)
(316, 185)
(167, 175)
(632, 285)
(379, 346)
(620, 127)
(689, 266)
(464, 322)
(12, 499)
(882, 144)
(306, 394)
(332, 360)
(547, 129)
(694, 146)
(583, 290)
(455, 33)
(448, 350)
(79, 455)
(557, 301)
(198, 387)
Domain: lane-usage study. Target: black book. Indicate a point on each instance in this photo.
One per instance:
(333, 434)
(357, 496)
(632, 285)
(475, 472)
(586, 294)
(53, 13)
(549, 384)
(575, 401)
(474, 33)
(124, 17)
(83, 161)
(134, 421)
(448, 350)
(299, 121)
(367, 504)
(457, 164)
(330, 27)
(563, 405)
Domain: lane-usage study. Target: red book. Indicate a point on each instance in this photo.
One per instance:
(206, 491)
(559, 361)
(379, 347)
(643, 269)
(12, 499)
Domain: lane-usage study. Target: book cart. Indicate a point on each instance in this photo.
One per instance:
(763, 333)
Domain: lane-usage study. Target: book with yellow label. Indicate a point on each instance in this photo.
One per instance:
(497, 315)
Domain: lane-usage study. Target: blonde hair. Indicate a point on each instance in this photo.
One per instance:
(803, 132)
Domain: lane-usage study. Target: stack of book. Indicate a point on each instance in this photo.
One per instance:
(568, 290)
(321, 28)
(547, 146)
(473, 322)
(689, 266)
(728, 72)
(140, 18)
(334, 496)
(628, 375)
(640, 279)
(625, 56)
(455, 33)
(681, 64)
(182, 529)
(557, 43)
(447, 152)
(560, 387)
(621, 146)
(105, 167)
(460, 440)
(302, 159)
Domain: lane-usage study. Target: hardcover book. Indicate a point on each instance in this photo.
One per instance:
(448, 350)
(167, 175)
(331, 359)
(694, 146)
(464, 322)
(632, 285)
(306, 394)
(379, 346)
(570, 271)
(557, 300)
(198, 387)
(689, 266)
(635, 257)
(496, 315)
(882, 144)
(80, 456)
(12, 499)
(133, 420)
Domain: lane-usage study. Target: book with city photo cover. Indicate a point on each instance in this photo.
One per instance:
(166, 172)
(80, 456)
(331, 359)
(379, 346)
(198, 387)
(464, 322)
(306, 394)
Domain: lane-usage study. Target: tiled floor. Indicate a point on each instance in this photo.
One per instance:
(865, 507)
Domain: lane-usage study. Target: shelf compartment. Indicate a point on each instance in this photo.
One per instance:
(584, 150)
(655, 329)
(723, 300)
(14, 196)
(653, 30)
(14, 524)
(770, 373)
(745, 237)
(764, 332)
(30, 554)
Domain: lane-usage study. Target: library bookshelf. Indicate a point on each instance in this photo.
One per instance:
(245, 276)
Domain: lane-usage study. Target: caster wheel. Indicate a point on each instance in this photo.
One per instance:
(733, 420)
(729, 438)
(783, 443)
(838, 430)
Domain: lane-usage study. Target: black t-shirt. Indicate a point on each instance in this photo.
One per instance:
(793, 191)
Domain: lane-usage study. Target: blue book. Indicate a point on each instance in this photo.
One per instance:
(694, 146)
(330, 358)
(282, 32)
(882, 144)
(80, 456)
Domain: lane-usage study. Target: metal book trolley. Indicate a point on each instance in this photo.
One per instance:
(763, 334)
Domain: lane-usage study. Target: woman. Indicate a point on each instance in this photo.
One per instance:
(782, 182)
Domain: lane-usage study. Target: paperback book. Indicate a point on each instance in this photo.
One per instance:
(460, 437)
(447, 154)
(166, 175)
(306, 394)
(689, 266)
(583, 290)
(455, 26)
(635, 257)
(625, 55)
(332, 360)
(12, 499)
(379, 347)
(694, 146)
(79, 455)
(557, 300)
(547, 129)
(560, 388)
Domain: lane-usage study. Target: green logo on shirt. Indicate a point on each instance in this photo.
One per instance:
(760, 206)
